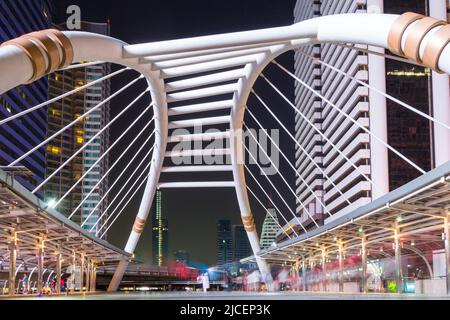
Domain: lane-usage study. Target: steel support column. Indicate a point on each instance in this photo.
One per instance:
(12, 264)
(364, 265)
(304, 275)
(447, 251)
(341, 268)
(311, 268)
(82, 273)
(94, 278)
(398, 262)
(58, 272)
(324, 270)
(88, 275)
(73, 277)
(40, 267)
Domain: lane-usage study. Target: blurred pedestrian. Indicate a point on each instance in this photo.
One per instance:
(205, 282)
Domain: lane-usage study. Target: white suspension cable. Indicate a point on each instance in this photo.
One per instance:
(75, 121)
(125, 205)
(319, 132)
(290, 164)
(282, 176)
(82, 65)
(267, 211)
(46, 103)
(388, 96)
(123, 186)
(276, 190)
(90, 141)
(113, 166)
(301, 147)
(110, 169)
(102, 157)
(268, 197)
(388, 56)
(411, 163)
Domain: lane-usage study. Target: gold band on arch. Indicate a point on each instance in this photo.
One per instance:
(48, 51)
(420, 29)
(249, 223)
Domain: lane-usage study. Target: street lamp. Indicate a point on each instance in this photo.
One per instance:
(51, 203)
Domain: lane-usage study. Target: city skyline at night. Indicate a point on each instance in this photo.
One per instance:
(204, 153)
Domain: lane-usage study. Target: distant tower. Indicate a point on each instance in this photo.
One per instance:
(241, 245)
(224, 242)
(270, 229)
(160, 234)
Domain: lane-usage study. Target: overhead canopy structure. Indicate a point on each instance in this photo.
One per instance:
(32, 225)
(415, 213)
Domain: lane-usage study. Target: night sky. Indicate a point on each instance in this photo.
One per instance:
(192, 214)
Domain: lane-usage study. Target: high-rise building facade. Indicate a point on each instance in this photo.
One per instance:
(89, 191)
(160, 233)
(348, 96)
(224, 242)
(241, 244)
(406, 131)
(270, 229)
(20, 135)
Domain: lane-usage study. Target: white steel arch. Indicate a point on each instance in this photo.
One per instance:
(421, 39)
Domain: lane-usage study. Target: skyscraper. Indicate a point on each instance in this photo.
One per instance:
(407, 132)
(160, 233)
(270, 229)
(20, 135)
(329, 171)
(60, 114)
(241, 245)
(224, 242)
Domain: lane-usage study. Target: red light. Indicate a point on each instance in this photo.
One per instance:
(108, 21)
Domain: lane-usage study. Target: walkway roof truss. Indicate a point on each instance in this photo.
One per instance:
(30, 219)
(416, 211)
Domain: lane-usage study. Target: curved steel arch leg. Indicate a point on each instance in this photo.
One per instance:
(245, 85)
(161, 125)
(92, 47)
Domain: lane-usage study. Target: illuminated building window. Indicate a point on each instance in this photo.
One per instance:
(410, 73)
(55, 113)
(54, 150)
(80, 140)
(78, 116)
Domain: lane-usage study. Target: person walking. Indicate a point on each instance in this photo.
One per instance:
(205, 282)
(25, 284)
